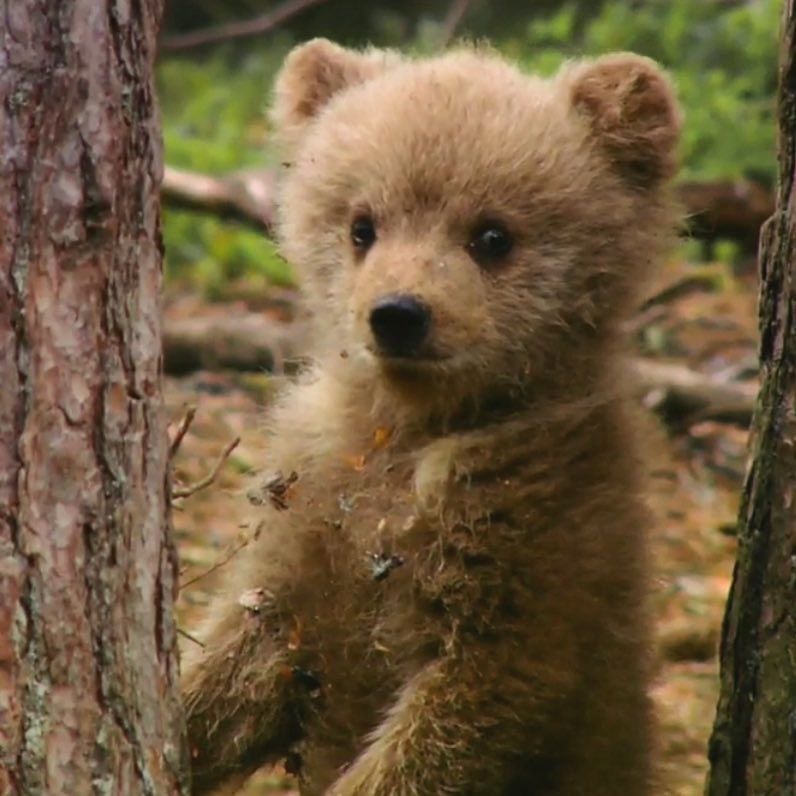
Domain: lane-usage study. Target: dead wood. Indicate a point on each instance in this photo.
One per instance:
(722, 209)
(245, 196)
(245, 342)
(179, 492)
(726, 209)
(255, 342)
(239, 29)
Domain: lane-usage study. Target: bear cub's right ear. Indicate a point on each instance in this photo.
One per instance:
(313, 73)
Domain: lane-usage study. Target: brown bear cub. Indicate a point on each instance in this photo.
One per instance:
(449, 597)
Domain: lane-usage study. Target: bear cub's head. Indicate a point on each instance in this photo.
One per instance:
(460, 224)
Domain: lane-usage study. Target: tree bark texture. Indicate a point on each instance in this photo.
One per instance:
(88, 662)
(753, 747)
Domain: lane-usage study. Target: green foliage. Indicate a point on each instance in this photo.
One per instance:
(214, 122)
(723, 58)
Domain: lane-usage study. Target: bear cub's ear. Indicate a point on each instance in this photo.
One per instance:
(633, 114)
(312, 74)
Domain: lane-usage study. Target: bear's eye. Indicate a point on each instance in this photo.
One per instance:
(363, 233)
(490, 243)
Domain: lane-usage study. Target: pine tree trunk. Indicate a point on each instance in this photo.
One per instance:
(88, 666)
(753, 747)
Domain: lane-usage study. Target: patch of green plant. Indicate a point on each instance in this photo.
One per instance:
(215, 122)
(723, 58)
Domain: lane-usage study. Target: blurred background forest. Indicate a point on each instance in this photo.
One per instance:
(721, 53)
(230, 299)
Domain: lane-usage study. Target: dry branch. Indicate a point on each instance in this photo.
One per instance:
(191, 489)
(228, 556)
(182, 430)
(239, 29)
(456, 13)
(187, 635)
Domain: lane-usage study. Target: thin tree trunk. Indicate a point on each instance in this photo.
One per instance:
(753, 747)
(88, 666)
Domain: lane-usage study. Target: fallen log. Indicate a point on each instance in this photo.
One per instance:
(726, 209)
(244, 196)
(723, 209)
(244, 342)
(254, 342)
(683, 396)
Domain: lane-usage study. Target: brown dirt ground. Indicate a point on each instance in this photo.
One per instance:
(698, 478)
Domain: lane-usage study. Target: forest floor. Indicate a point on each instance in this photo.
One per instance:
(707, 322)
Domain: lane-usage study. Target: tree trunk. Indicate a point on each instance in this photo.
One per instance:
(88, 666)
(753, 747)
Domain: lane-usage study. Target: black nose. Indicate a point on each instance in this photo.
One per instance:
(400, 325)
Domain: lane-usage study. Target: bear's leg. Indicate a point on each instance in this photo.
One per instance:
(459, 726)
(237, 700)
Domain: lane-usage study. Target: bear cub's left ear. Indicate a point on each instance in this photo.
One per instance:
(633, 114)
(312, 74)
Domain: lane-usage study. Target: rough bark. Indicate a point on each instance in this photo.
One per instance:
(753, 747)
(88, 667)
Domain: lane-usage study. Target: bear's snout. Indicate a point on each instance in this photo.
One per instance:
(400, 325)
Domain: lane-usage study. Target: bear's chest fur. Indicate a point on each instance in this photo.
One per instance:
(387, 581)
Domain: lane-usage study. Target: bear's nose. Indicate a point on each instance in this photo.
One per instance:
(400, 324)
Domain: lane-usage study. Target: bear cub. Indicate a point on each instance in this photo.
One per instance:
(449, 597)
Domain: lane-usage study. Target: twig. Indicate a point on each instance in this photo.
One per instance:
(454, 17)
(187, 491)
(182, 430)
(220, 563)
(187, 635)
(684, 286)
(237, 30)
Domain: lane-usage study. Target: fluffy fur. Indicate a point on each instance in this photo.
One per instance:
(453, 601)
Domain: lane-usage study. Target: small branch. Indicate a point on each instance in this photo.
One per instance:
(187, 635)
(456, 13)
(237, 30)
(191, 489)
(699, 282)
(182, 430)
(220, 563)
